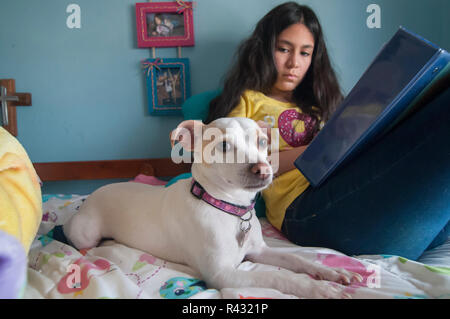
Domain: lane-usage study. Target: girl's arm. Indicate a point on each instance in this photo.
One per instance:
(287, 158)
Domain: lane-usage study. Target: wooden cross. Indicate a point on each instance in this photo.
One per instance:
(9, 99)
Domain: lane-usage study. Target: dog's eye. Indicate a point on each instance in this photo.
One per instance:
(224, 146)
(262, 142)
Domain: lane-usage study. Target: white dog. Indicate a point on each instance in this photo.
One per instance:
(206, 222)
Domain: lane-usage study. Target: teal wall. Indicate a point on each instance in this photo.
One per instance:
(445, 36)
(89, 95)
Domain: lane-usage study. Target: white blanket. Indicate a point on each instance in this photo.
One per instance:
(112, 270)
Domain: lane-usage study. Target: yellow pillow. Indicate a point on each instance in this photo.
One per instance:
(20, 192)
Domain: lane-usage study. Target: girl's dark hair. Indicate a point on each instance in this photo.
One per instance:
(254, 68)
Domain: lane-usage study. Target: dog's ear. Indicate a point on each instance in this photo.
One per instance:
(187, 133)
(265, 128)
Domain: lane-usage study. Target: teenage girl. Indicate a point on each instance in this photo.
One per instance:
(391, 199)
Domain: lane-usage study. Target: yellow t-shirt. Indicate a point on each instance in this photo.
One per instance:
(296, 129)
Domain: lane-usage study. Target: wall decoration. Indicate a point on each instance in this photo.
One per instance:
(164, 24)
(168, 85)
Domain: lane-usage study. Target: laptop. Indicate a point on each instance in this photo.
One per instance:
(404, 67)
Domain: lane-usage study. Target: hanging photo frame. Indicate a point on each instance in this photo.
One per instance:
(164, 24)
(168, 85)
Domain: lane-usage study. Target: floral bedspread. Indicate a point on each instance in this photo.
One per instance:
(112, 270)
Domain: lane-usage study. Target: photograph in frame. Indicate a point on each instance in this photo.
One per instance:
(168, 85)
(164, 24)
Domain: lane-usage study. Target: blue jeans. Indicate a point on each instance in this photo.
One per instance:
(393, 198)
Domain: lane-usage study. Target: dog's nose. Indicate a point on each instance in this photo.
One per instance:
(261, 170)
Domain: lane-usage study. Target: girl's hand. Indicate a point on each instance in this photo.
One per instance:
(266, 128)
(286, 159)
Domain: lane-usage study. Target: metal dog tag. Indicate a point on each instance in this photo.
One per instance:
(244, 227)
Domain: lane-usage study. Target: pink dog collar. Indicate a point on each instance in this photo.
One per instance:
(198, 191)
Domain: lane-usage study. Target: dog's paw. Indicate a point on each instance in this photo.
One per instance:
(338, 275)
(325, 290)
(321, 289)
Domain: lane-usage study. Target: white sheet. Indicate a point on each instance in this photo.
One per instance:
(113, 270)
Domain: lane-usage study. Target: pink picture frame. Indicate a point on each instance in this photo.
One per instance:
(164, 24)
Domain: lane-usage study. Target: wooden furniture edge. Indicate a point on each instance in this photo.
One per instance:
(24, 99)
(109, 169)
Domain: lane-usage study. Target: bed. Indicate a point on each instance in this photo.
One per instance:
(113, 270)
